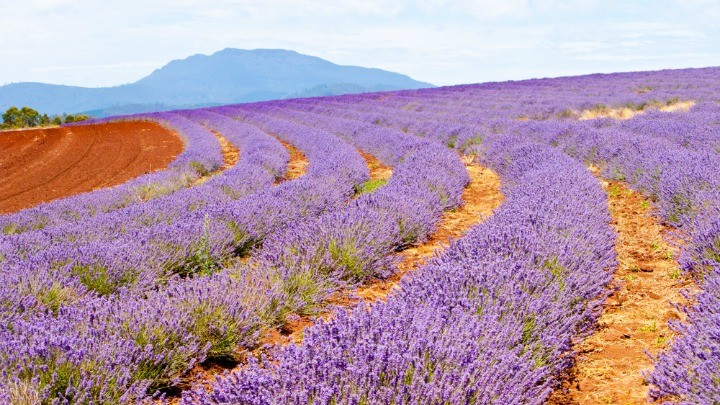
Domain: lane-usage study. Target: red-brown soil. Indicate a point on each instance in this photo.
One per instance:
(230, 155)
(298, 162)
(634, 319)
(42, 165)
(378, 171)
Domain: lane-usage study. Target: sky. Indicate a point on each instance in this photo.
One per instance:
(444, 42)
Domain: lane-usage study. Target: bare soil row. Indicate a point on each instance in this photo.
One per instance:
(42, 165)
(634, 323)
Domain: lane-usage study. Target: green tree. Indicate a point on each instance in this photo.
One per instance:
(76, 118)
(31, 117)
(26, 117)
(21, 118)
(12, 118)
(81, 117)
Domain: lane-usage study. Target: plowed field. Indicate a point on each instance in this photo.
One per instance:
(41, 165)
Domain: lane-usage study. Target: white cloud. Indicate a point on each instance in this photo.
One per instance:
(441, 41)
(490, 9)
(614, 57)
(584, 46)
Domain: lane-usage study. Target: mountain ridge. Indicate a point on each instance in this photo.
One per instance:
(224, 77)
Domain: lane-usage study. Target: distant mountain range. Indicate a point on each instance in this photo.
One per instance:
(225, 77)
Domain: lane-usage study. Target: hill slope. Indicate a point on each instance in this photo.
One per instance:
(227, 76)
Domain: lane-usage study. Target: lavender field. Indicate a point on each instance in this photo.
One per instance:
(122, 295)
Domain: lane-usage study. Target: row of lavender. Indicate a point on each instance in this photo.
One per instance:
(662, 154)
(492, 318)
(671, 157)
(117, 249)
(45, 293)
(684, 183)
(137, 345)
(343, 247)
(309, 260)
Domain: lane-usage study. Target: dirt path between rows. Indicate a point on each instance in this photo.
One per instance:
(634, 320)
(625, 113)
(41, 165)
(480, 199)
(230, 154)
(378, 171)
(298, 164)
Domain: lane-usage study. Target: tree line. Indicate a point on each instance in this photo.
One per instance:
(27, 117)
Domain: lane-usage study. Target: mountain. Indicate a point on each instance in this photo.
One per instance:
(225, 77)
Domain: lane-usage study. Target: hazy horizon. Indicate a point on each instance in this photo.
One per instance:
(437, 41)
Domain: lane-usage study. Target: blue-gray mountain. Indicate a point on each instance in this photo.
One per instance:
(225, 77)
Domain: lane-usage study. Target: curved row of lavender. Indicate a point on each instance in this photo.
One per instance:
(220, 312)
(492, 317)
(201, 155)
(117, 249)
(347, 246)
(662, 154)
(671, 157)
(62, 298)
(684, 183)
